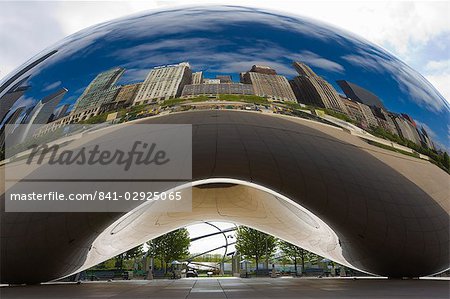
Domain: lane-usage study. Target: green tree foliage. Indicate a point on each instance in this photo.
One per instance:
(438, 158)
(255, 244)
(252, 99)
(134, 252)
(294, 253)
(341, 116)
(214, 258)
(128, 255)
(446, 161)
(98, 119)
(171, 246)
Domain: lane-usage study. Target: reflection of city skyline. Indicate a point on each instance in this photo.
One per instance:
(179, 81)
(217, 49)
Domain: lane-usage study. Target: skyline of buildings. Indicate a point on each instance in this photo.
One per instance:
(178, 80)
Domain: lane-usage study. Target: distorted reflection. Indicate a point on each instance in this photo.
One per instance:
(326, 142)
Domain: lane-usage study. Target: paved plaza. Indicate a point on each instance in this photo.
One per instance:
(258, 288)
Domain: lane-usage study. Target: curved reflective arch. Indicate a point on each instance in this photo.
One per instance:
(390, 205)
(332, 124)
(242, 202)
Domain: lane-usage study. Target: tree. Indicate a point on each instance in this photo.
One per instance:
(133, 252)
(255, 244)
(128, 255)
(293, 252)
(170, 247)
(446, 161)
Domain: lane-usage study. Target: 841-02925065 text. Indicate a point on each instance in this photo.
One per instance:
(99, 195)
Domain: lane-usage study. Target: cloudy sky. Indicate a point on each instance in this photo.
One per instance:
(416, 32)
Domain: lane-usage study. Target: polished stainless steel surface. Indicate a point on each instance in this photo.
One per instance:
(327, 140)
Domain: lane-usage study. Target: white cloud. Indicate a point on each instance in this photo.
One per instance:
(438, 73)
(441, 82)
(405, 77)
(25, 29)
(313, 59)
(52, 86)
(437, 66)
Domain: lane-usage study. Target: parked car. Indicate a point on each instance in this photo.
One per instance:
(191, 273)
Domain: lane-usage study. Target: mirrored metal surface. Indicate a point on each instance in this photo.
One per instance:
(299, 109)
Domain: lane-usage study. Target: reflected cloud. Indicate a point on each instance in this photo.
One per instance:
(317, 61)
(52, 86)
(229, 40)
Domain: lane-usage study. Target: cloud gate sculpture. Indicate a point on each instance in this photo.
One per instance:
(272, 121)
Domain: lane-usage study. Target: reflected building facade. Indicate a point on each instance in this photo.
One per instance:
(60, 112)
(266, 83)
(164, 82)
(224, 78)
(125, 97)
(214, 89)
(359, 94)
(11, 96)
(9, 125)
(406, 128)
(425, 139)
(309, 88)
(384, 120)
(197, 78)
(368, 115)
(39, 115)
(100, 91)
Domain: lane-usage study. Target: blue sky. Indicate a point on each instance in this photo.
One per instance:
(235, 47)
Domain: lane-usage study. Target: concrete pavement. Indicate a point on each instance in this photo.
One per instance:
(258, 288)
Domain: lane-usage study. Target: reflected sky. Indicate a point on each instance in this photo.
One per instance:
(229, 40)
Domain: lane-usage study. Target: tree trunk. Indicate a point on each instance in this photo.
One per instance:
(257, 262)
(295, 265)
(165, 266)
(303, 261)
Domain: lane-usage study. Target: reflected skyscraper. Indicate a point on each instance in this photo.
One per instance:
(266, 83)
(357, 93)
(101, 90)
(9, 125)
(164, 82)
(10, 97)
(40, 114)
(60, 112)
(384, 120)
(426, 140)
(406, 128)
(309, 88)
